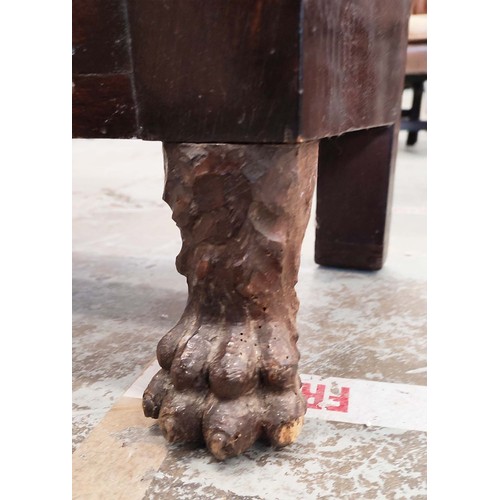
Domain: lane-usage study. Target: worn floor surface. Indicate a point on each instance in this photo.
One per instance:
(127, 294)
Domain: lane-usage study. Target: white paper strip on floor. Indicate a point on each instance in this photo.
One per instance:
(366, 402)
(139, 386)
(354, 401)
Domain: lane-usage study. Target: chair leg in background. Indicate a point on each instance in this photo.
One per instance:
(414, 112)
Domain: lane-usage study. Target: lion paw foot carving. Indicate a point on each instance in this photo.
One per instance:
(227, 385)
(229, 367)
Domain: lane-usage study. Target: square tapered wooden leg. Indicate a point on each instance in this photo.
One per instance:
(355, 178)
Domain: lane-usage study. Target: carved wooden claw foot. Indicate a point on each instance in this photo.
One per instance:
(229, 366)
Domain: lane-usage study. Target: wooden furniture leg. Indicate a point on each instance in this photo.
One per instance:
(355, 177)
(229, 366)
(417, 86)
(240, 93)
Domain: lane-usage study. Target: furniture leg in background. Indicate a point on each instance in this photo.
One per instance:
(411, 120)
(355, 179)
(416, 70)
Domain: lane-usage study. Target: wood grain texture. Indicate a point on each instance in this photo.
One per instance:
(100, 37)
(217, 71)
(354, 54)
(246, 71)
(354, 196)
(229, 366)
(103, 106)
(104, 103)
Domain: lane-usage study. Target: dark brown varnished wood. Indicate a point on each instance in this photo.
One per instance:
(101, 43)
(103, 106)
(353, 61)
(104, 103)
(257, 71)
(217, 70)
(355, 179)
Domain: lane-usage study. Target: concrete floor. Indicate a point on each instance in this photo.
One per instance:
(355, 325)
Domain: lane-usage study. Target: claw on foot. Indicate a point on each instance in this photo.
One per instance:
(219, 399)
